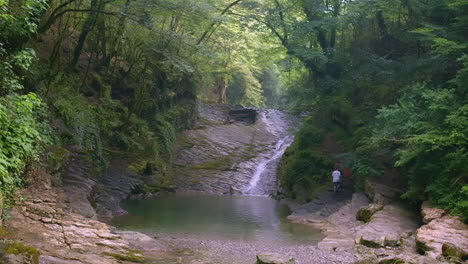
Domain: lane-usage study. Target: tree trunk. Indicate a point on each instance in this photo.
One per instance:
(221, 90)
(88, 26)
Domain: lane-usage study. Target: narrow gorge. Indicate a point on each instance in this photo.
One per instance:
(222, 208)
(233, 131)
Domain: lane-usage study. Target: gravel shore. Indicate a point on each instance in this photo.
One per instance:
(239, 252)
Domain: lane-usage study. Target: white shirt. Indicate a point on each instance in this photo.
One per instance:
(336, 175)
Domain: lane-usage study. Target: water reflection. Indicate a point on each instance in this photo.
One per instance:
(246, 218)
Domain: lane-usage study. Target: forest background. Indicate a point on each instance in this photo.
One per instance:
(387, 79)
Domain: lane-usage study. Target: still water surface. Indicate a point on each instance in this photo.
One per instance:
(241, 218)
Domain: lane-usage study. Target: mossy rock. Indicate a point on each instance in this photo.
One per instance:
(270, 258)
(451, 250)
(368, 242)
(131, 255)
(421, 247)
(364, 261)
(392, 260)
(365, 213)
(222, 164)
(28, 254)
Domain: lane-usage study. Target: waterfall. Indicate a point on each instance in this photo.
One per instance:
(264, 177)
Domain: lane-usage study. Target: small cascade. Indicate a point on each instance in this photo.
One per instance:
(264, 178)
(266, 168)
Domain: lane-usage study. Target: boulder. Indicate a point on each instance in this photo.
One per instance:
(448, 230)
(270, 258)
(366, 212)
(429, 212)
(386, 227)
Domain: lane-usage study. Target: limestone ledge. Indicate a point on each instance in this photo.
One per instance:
(42, 220)
(446, 236)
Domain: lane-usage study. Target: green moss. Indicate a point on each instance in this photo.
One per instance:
(138, 165)
(55, 158)
(421, 248)
(392, 261)
(222, 164)
(131, 255)
(369, 243)
(17, 248)
(454, 251)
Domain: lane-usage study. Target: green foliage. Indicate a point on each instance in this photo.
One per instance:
(17, 23)
(303, 167)
(107, 125)
(21, 135)
(407, 59)
(427, 131)
(270, 80)
(245, 89)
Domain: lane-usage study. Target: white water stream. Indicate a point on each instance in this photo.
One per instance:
(264, 177)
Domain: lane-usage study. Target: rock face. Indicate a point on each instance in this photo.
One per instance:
(386, 227)
(42, 220)
(447, 230)
(429, 212)
(116, 183)
(386, 220)
(77, 185)
(220, 154)
(380, 193)
(270, 258)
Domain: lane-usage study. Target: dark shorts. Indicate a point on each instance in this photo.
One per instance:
(336, 183)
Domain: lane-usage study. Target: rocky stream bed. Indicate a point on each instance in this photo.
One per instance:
(56, 225)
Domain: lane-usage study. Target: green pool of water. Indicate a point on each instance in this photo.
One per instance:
(246, 218)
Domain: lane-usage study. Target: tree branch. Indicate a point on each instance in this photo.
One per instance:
(52, 19)
(214, 23)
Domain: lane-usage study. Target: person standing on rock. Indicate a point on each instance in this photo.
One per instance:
(336, 175)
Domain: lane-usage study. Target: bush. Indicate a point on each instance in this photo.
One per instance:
(22, 134)
(303, 167)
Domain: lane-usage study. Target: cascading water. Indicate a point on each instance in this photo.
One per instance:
(264, 177)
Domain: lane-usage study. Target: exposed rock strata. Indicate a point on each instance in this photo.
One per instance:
(380, 193)
(43, 221)
(447, 230)
(220, 154)
(77, 184)
(386, 227)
